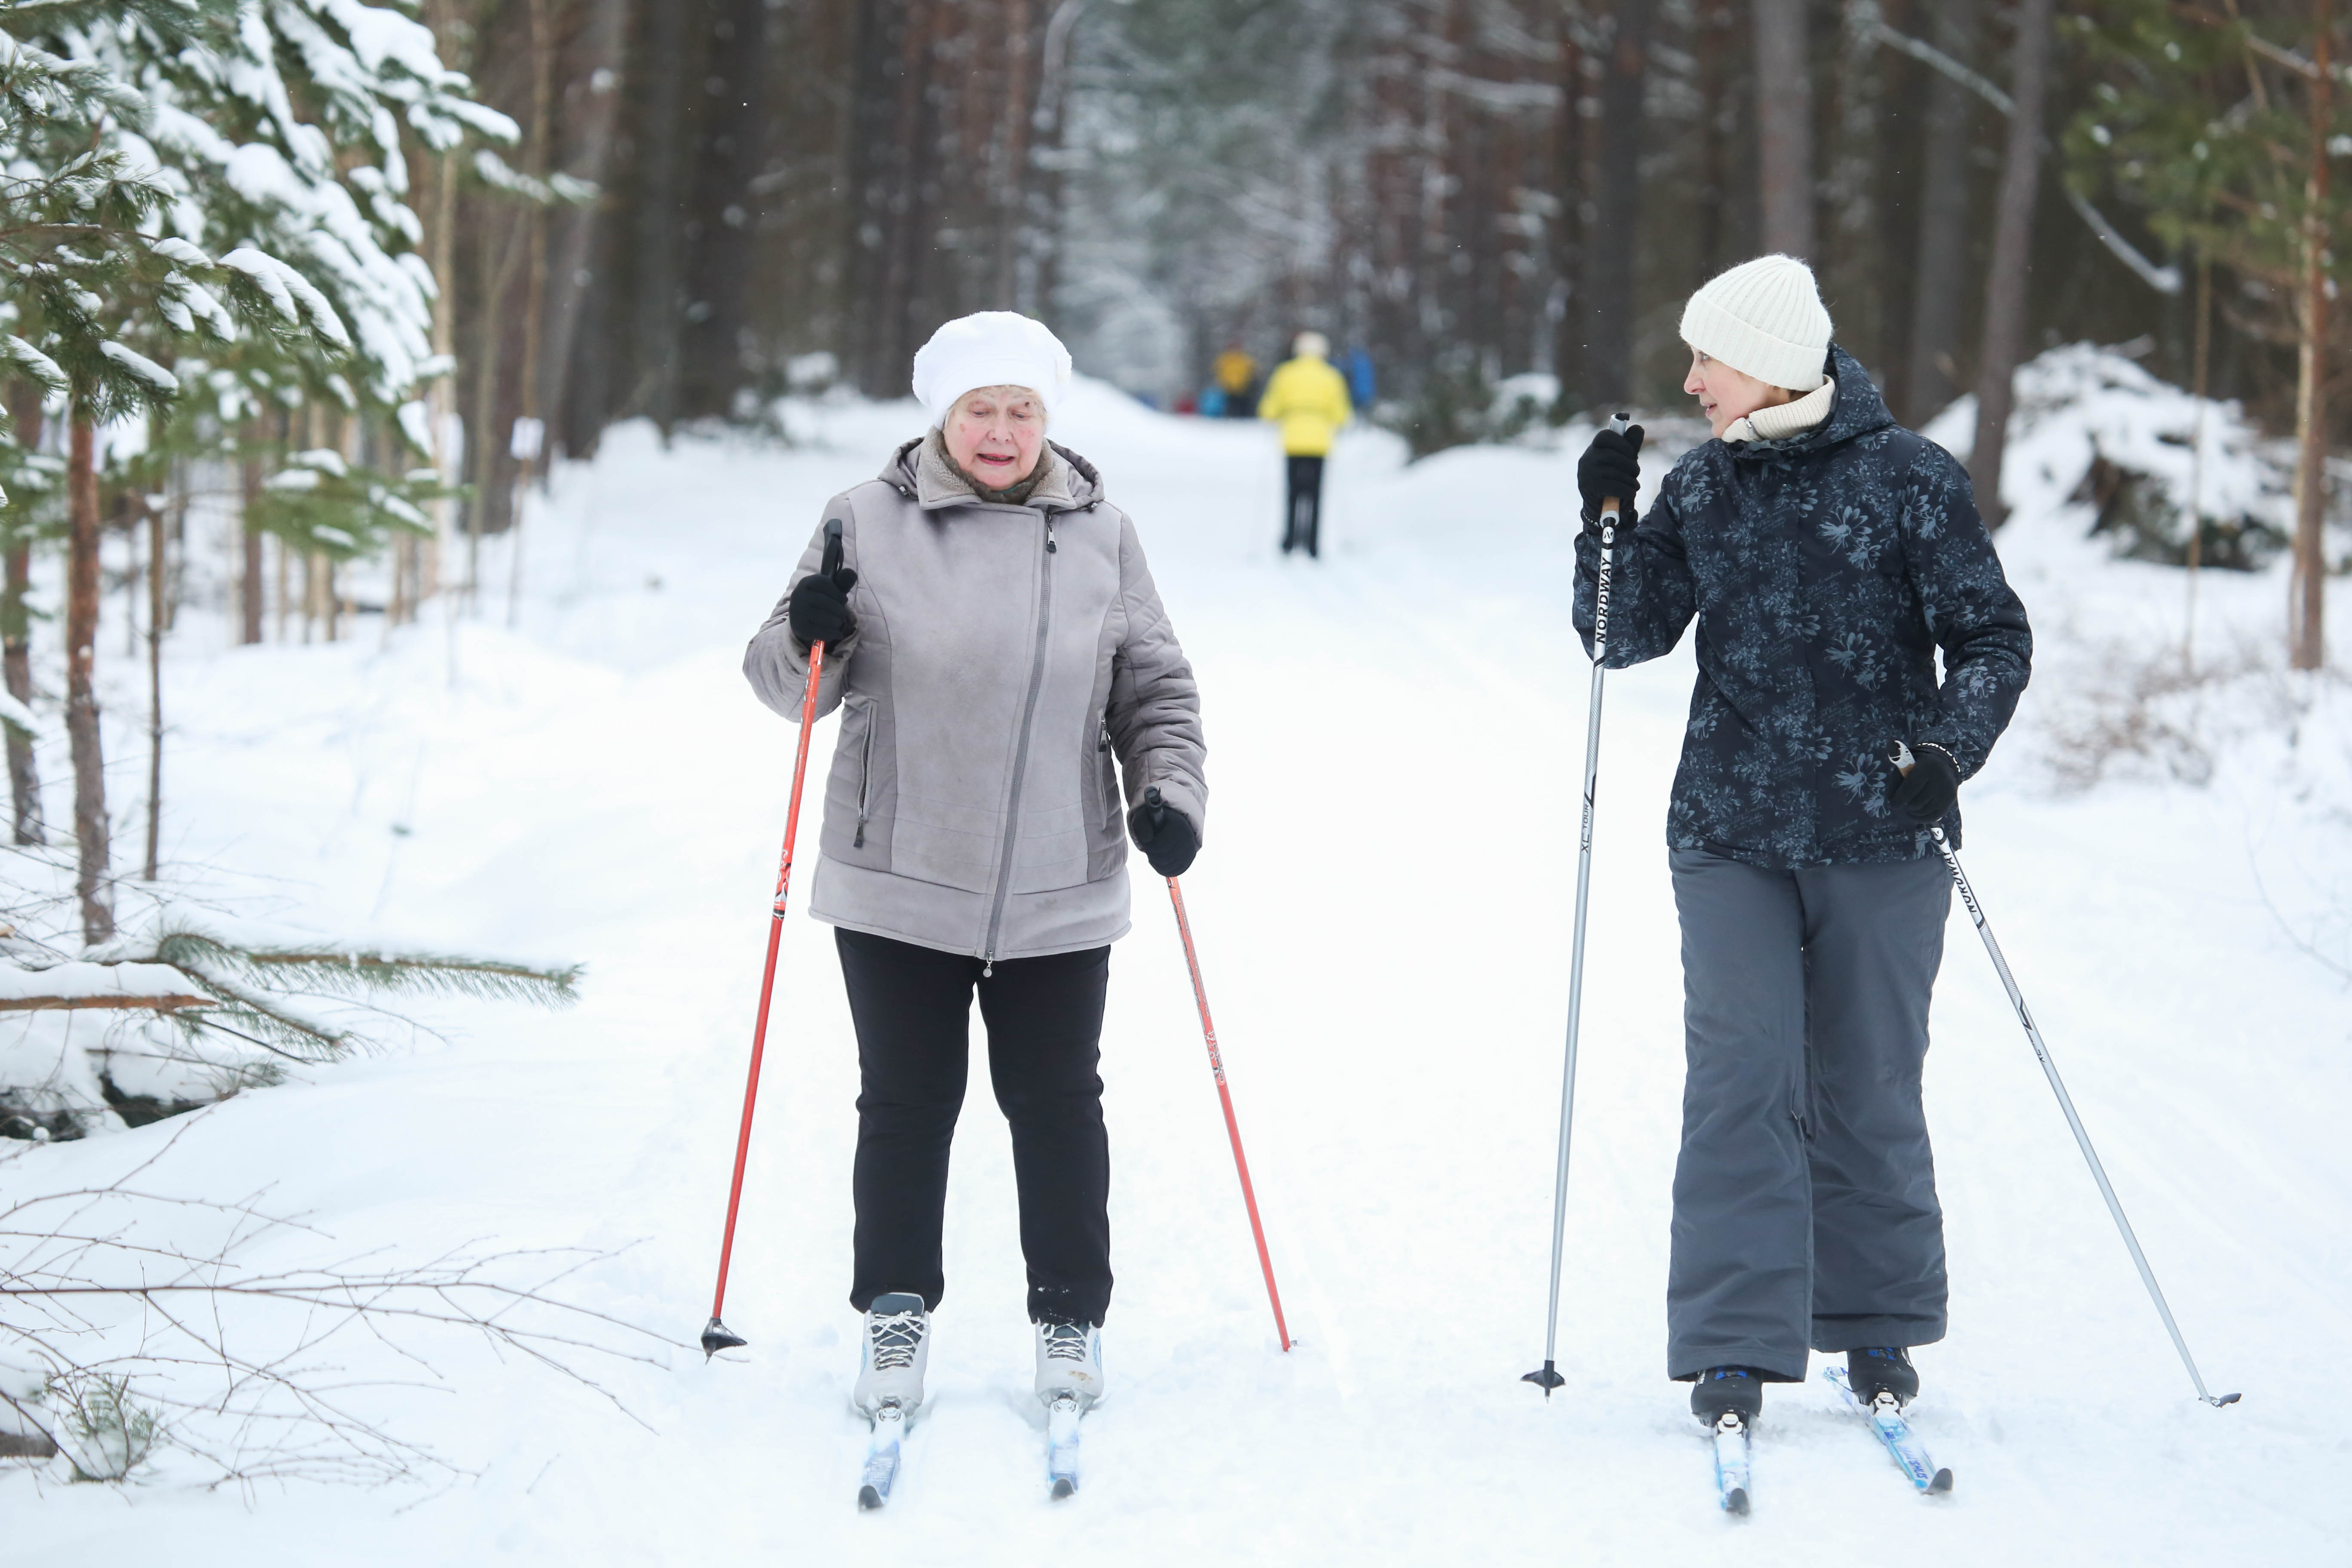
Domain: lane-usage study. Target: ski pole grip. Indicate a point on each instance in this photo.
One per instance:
(831, 563)
(1902, 758)
(1610, 505)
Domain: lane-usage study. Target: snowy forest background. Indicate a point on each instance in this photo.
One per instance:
(396, 401)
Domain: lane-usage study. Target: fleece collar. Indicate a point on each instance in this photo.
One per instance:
(1783, 420)
(1855, 409)
(919, 468)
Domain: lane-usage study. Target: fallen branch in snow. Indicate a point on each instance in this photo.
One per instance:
(245, 986)
(114, 1346)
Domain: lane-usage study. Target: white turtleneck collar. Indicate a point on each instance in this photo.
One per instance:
(1783, 420)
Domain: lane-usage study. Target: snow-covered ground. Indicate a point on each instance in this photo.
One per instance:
(1383, 911)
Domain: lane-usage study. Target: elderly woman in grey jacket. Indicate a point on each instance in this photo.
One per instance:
(995, 644)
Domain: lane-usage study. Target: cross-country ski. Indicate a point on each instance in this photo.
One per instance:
(1733, 1443)
(1062, 1421)
(1884, 1414)
(884, 1452)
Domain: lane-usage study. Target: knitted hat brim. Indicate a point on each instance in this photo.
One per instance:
(1774, 361)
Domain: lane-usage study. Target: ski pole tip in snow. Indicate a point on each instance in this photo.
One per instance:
(2217, 1401)
(716, 1337)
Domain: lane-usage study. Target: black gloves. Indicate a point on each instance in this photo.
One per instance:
(1929, 790)
(1612, 466)
(1166, 838)
(820, 607)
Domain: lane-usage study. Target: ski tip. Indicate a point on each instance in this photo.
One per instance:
(1063, 1488)
(1736, 1501)
(1546, 1378)
(869, 1498)
(716, 1337)
(1942, 1483)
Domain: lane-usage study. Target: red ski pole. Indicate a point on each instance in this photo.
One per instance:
(716, 1335)
(1233, 1128)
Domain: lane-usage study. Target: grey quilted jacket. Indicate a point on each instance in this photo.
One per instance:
(1004, 657)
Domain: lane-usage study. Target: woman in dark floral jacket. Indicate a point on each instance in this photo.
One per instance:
(1826, 555)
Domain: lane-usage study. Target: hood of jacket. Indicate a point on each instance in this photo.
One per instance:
(918, 472)
(1857, 411)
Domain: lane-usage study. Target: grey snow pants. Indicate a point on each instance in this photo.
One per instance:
(1805, 1208)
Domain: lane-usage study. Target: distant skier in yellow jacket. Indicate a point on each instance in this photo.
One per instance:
(1309, 400)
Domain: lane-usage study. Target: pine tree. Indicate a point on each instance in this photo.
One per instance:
(2222, 126)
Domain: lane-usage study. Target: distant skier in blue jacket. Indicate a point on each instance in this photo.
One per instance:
(1826, 553)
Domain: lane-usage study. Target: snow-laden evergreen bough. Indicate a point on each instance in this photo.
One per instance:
(211, 981)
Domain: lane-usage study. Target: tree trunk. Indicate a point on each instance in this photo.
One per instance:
(1940, 298)
(1010, 172)
(1784, 126)
(157, 611)
(1611, 242)
(594, 72)
(1569, 355)
(15, 638)
(2012, 238)
(82, 694)
(251, 591)
(659, 88)
(2307, 589)
(2201, 358)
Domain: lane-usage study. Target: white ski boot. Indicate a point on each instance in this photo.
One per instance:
(898, 1347)
(1069, 1363)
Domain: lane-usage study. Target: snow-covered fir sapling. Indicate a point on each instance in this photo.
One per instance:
(171, 212)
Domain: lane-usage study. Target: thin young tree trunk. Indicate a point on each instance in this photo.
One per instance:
(2012, 238)
(2203, 360)
(157, 609)
(1784, 126)
(534, 301)
(441, 399)
(2307, 590)
(81, 693)
(253, 592)
(1610, 243)
(16, 639)
(1939, 297)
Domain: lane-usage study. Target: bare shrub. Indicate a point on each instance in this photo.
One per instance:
(144, 1342)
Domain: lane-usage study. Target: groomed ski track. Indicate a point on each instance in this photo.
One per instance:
(1382, 909)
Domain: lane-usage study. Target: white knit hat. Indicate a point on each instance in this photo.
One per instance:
(1764, 317)
(991, 348)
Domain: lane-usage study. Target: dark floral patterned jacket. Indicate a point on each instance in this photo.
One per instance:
(1824, 571)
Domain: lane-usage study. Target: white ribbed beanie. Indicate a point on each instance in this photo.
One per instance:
(990, 348)
(1764, 317)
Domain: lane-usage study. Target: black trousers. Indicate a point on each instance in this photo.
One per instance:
(912, 1006)
(1303, 528)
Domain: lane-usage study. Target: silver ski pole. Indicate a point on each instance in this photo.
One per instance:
(1548, 1378)
(1903, 761)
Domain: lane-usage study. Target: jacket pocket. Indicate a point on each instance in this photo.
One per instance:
(1107, 767)
(865, 775)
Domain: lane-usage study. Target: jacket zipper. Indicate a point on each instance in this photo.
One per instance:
(1109, 782)
(1021, 756)
(865, 783)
